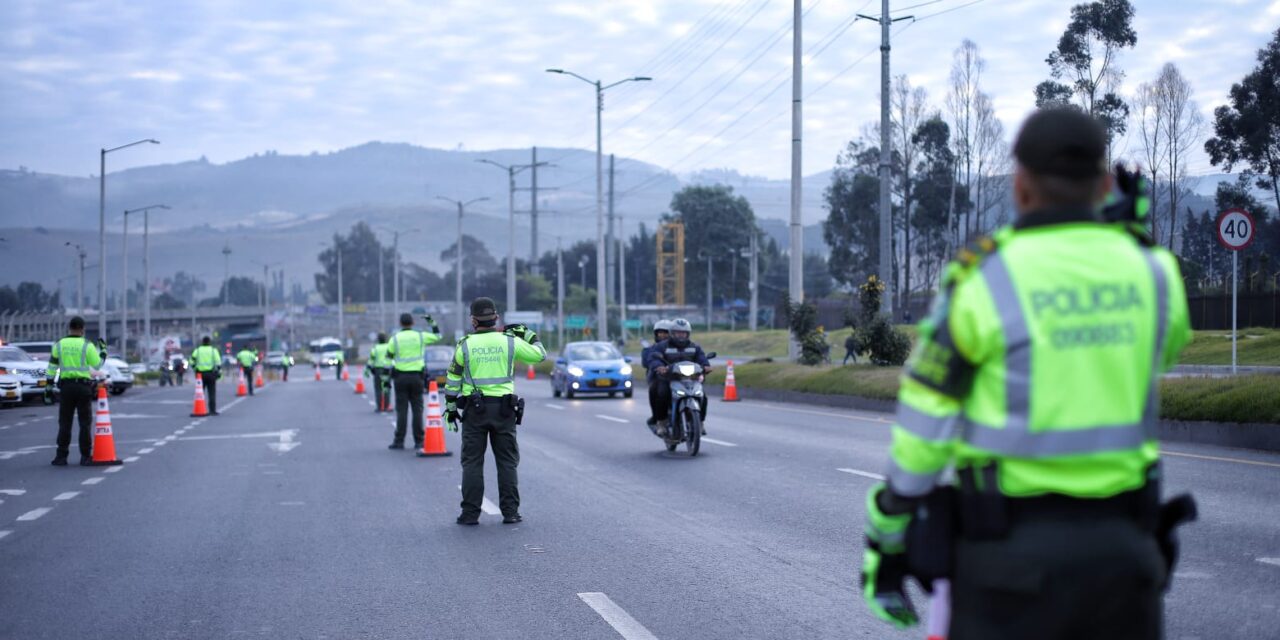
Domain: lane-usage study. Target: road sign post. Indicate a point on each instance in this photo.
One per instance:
(1235, 232)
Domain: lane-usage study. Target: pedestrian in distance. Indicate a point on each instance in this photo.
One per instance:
(407, 351)
(380, 370)
(248, 360)
(850, 347)
(207, 362)
(1036, 379)
(480, 391)
(71, 363)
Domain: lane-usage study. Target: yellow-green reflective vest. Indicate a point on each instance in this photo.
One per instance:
(1044, 355)
(486, 360)
(205, 358)
(74, 357)
(247, 358)
(407, 349)
(378, 356)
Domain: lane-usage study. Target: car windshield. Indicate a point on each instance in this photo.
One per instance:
(592, 351)
(38, 349)
(14, 354)
(439, 355)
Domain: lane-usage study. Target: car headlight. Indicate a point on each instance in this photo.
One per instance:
(575, 371)
(625, 370)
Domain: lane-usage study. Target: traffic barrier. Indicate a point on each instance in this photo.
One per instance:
(257, 376)
(360, 385)
(104, 441)
(532, 374)
(241, 389)
(730, 385)
(200, 409)
(433, 433)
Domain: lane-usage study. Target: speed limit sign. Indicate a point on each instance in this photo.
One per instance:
(1235, 229)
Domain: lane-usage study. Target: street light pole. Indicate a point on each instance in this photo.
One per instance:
(80, 253)
(102, 232)
(559, 295)
(622, 282)
(602, 309)
(226, 272)
(511, 170)
(124, 290)
(146, 278)
(457, 262)
(795, 285)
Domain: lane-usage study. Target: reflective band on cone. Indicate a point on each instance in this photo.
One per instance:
(345, 376)
(199, 409)
(360, 384)
(104, 442)
(317, 373)
(532, 374)
(241, 389)
(730, 385)
(433, 433)
(257, 377)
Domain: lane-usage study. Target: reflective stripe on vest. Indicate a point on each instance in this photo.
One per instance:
(1015, 438)
(395, 344)
(84, 353)
(475, 383)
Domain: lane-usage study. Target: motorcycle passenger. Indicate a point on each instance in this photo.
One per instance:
(661, 331)
(679, 347)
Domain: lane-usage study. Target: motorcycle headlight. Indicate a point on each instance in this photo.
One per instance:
(680, 392)
(575, 371)
(687, 369)
(625, 370)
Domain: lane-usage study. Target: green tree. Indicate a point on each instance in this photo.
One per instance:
(717, 224)
(361, 251)
(240, 292)
(28, 297)
(1086, 58)
(1247, 131)
(167, 301)
(935, 184)
(852, 227)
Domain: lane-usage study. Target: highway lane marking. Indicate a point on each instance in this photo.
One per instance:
(719, 442)
(115, 469)
(487, 506)
(555, 406)
(170, 438)
(13, 492)
(132, 459)
(4, 533)
(94, 480)
(34, 514)
(234, 436)
(610, 418)
(617, 617)
(1221, 459)
(856, 472)
(66, 496)
(1272, 561)
(145, 451)
(161, 443)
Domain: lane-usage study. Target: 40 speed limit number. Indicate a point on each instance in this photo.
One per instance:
(1235, 229)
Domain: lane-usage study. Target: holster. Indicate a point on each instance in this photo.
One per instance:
(931, 536)
(516, 406)
(475, 403)
(983, 510)
(507, 408)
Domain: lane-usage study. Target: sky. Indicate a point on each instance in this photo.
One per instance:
(225, 79)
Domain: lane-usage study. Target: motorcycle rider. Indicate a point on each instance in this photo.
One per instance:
(661, 331)
(679, 347)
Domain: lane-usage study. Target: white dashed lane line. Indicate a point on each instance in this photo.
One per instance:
(115, 469)
(610, 418)
(34, 514)
(617, 617)
(719, 442)
(857, 472)
(1270, 561)
(94, 480)
(145, 451)
(555, 406)
(487, 506)
(65, 496)
(132, 459)
(4, 533)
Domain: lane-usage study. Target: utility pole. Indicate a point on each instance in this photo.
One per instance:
(511, 170)
(755, 284)
(124, 290)
(886, 163)
(457, 263)
(559, 295)
(342, 302)
(796, 285)
(533, 213)
(611, 254)
(80, 253)
(622, 282)
(226, 272)
(708, 292)
(382, 295)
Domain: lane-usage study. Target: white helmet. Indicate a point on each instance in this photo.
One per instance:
(680, 324)
(662, 325)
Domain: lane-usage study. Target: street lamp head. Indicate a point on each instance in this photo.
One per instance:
(153, 141)
(555, 70)
(642, 78)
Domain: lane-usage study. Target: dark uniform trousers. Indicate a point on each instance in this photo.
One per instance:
(76, 398)
(379, 391)
(210, 381)
(248, 377)
(408, 394)
(1060, 578)
(478, 431)
(656, 407)
(284, 373)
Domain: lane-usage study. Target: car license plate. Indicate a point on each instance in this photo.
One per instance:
(602, 382)
(11, 394)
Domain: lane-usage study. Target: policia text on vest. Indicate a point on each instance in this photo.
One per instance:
(71, 364)
(1036, 379)
(407, 352)
(480, 391)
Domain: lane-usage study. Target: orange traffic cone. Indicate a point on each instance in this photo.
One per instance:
(257, 377)
(241, 388)
(360, 385)
(730, 385)
(532, 374)
(104, 443)
(199, 409)
(317, 373)
(433, 434)
(345, 376)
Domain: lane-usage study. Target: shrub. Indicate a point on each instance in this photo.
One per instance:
(875, 335)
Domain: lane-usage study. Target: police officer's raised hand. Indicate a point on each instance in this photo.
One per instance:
(426, 317)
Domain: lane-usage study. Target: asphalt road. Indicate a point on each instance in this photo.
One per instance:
(287, 517)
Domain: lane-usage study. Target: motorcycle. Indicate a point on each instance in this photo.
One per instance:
(688, 407)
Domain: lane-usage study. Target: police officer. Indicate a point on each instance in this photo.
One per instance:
(207, 362)
(1036, 379)
(286, 361)
(380, 369)
(661, 331)
(407, 351)
(72, 359)
(342, 362)
(247, 360)
(480, 389)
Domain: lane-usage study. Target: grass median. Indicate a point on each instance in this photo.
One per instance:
(1249, 398)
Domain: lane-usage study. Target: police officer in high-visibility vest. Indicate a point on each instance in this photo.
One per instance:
(1035, 380)
(480, 389)
(247, 359)
(207, 362)
(407, 351)
(380, 369)
(71, 363)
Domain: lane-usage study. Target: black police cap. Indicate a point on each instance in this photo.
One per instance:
(406, 320)
(1062, 141)
(484, 309)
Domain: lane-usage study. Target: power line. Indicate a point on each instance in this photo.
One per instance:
(955, 8)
